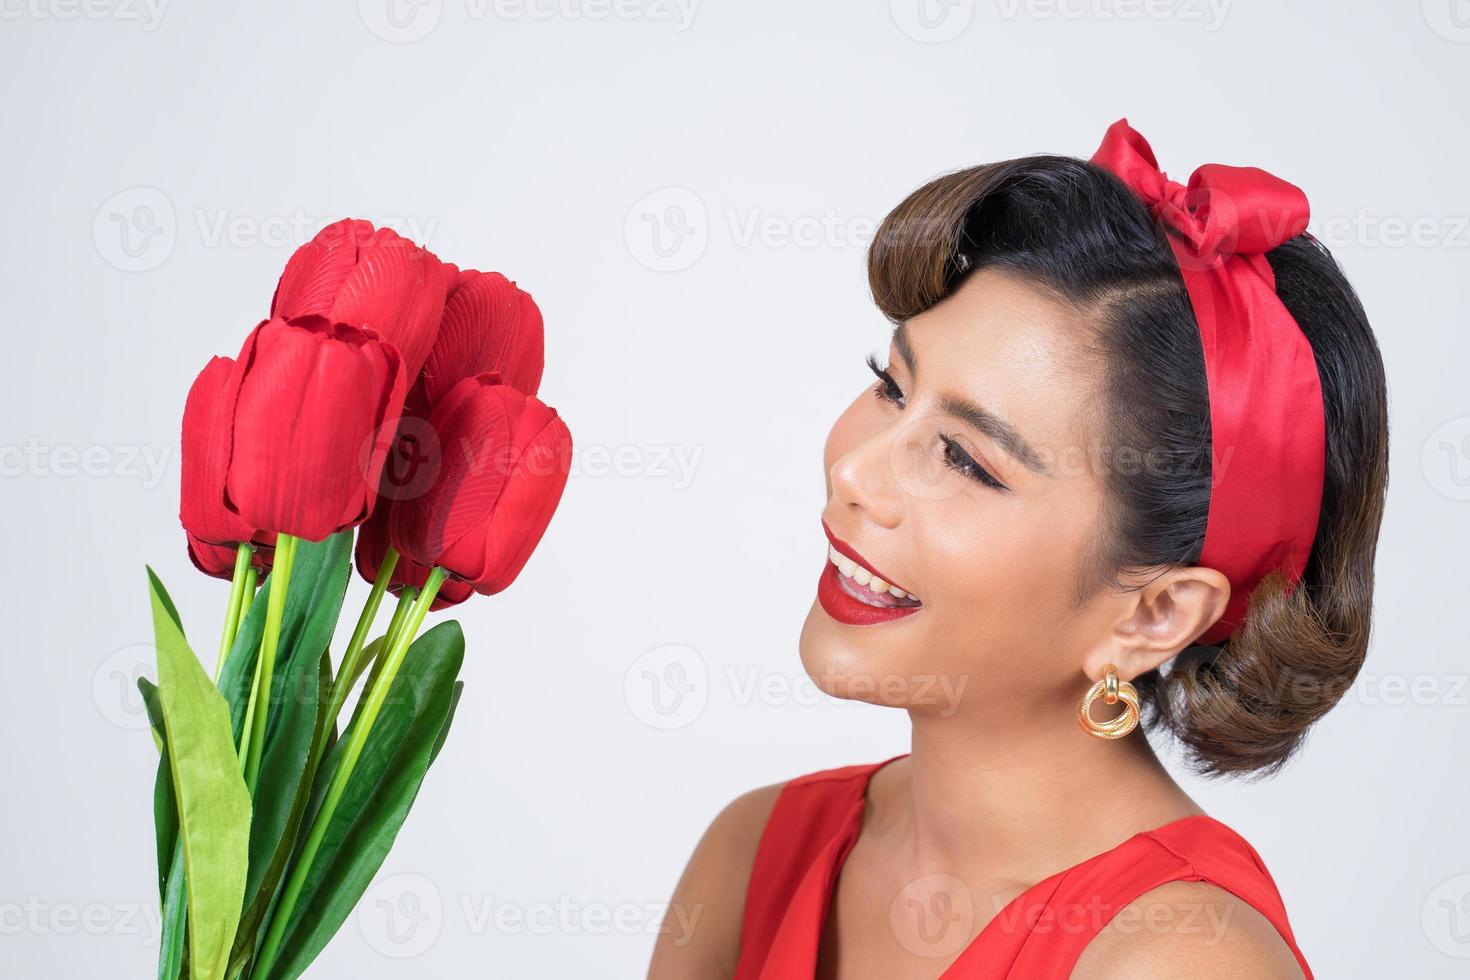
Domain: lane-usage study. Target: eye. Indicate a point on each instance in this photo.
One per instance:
(887, 389)
(956, 458)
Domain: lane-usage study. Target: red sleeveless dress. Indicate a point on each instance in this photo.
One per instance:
(816, 821)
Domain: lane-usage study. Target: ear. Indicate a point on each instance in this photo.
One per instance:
(1165, 614)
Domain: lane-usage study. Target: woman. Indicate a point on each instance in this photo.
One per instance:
(1114, 409)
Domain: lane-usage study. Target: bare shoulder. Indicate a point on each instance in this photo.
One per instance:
(700, 934)
(1187, 928)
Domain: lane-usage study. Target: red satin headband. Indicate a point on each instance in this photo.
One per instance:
(1266, 414)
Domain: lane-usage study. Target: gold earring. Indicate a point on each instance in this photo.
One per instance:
(1111, 690)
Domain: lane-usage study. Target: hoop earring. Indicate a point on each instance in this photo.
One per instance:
(1111, 690)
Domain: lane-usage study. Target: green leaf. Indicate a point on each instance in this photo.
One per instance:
(165, 806)
(281, 797)
(213, 804)
(174, 920)
(313, 603)
(388, 775)
(170, 849)
(448, 720)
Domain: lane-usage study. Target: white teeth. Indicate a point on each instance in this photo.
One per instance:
(844, 564)
(862, 576)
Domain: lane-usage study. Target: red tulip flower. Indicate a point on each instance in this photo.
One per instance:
(372, 546)
(373, 278)
(312, 407)
(502, 463)
(219, 560)
(213, 530)
(204, 458)
(489, 325)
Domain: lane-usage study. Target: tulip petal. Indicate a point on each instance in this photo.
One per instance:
(312, 401)
(397, 289)
(204, 460)
(316, 271)
(489, 324)
(525, 507)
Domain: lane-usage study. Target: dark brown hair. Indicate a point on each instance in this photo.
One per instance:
(1076, 231)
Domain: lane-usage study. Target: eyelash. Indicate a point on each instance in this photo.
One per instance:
(955, 456)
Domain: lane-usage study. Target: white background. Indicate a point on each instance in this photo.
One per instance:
(159, 166)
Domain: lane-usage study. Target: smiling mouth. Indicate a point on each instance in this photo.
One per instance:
(866, 587)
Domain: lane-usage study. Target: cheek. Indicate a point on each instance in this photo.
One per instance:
(988, 552)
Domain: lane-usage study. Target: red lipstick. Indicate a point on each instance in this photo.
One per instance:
(851, 603)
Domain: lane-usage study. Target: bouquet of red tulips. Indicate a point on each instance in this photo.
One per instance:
(388, 393)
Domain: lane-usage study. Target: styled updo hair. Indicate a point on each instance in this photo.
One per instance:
(1077, 232)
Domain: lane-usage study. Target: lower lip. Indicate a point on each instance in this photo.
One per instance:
(849, 610)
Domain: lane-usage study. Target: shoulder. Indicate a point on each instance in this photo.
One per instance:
(700, 933)
(1188, 928)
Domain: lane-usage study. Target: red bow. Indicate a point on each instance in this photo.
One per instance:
(1267, 425)
(1221, 211)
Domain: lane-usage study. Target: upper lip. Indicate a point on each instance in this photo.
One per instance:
(847, 550)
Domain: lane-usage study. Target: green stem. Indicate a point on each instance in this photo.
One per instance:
(265, 669)
(232, 611)
(249, 597)
(400, 613)
(249, 725)
(348, 670)
(356, 740)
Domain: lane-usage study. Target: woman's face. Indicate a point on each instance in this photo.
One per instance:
(966, 476)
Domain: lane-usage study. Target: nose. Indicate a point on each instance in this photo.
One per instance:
(863, 479)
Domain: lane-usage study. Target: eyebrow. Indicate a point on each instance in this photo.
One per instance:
(973, 413)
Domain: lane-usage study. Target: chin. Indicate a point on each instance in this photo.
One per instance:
(879, 665)
(849, 662)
